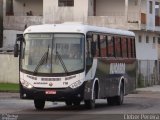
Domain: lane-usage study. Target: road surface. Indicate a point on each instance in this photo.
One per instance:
(134, 104)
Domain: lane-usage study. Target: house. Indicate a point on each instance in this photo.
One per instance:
(140, 16)
(143, 18)
(19, 14)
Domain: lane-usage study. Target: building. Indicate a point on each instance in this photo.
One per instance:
(19, 14)
(140, 16)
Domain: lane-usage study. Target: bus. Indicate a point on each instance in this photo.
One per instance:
(74, 63)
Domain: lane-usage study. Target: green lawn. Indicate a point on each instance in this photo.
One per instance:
(9, 87)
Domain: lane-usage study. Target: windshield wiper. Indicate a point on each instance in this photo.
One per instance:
(61, 61)
(42, 60)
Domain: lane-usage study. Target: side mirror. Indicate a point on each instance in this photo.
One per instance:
(16, 46)
(93, 49)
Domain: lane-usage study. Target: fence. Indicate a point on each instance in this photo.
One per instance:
(147, 74)
(9, 71)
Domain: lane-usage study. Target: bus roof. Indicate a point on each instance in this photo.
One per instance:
(75, 28)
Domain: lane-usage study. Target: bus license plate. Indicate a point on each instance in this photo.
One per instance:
(49, 92)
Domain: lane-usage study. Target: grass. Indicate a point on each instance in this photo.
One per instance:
(9, 87)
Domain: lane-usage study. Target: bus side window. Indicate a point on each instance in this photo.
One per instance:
(103, 45)
(110, 46)
(89, 58)
(129, 48)
(133, 48)
(124, 47)
(88, 49)
(96, 42)
(117, 47)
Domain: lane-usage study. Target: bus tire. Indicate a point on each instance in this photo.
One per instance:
(111, 100)
(77, 102)
(39, 104)
(90, 104)
(68, 103)
(119, 99)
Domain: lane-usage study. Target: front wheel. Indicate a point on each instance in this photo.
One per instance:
(77, 103)
(68, 103)
(90, 104)
(39, 104)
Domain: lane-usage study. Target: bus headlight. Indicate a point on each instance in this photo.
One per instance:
(75, 84)
(26, 84)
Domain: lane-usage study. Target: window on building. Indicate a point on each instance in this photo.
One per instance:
(150, 7)
(140, 38)
(147, 39)
(9, 7)
(157, 6)
(62, 3)
(158, 40)
(136, 2)
(154, 40)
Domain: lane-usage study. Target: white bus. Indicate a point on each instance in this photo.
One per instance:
(73, 62)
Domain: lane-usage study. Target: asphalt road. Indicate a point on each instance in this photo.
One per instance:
(142, 103)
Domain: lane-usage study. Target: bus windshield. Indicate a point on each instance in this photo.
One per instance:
(53, 53)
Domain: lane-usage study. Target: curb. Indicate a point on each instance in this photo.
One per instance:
(9, 91)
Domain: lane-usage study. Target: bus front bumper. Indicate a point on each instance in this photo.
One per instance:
(60, 94)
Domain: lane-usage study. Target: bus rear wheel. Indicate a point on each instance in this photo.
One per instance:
(39, 104)
(117, 100)
(111, 100)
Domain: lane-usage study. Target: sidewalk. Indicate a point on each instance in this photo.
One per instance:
(154, 88)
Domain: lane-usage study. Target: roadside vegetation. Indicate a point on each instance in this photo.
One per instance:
(9, 87)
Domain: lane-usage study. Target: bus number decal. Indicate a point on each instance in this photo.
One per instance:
(117, 68)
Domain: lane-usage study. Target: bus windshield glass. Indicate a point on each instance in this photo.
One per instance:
(53, 53)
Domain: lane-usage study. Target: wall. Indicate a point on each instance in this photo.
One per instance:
(110, 7)
(21, 7)
(151, 17)
(143, 6)
(20, 22)
(9, 68)
(146, 51)
(9, 38)
(134, 9)
(54, 14)
(90, 7)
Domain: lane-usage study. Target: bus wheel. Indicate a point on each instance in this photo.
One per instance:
(90, 104)
(68, 103)
(119, 99)
(39, 104)
(111, 100)
(76, 103)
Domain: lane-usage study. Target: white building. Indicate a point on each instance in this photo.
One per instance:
(140, 16)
